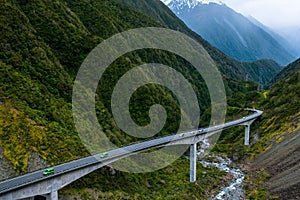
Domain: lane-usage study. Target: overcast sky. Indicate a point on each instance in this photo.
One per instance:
(276, 14)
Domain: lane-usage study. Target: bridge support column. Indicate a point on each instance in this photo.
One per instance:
(52, 196)
(193, 162)
(247, 134)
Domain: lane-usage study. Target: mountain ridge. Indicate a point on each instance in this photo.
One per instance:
(39, 60)
(241, 39)
(230, 67)
(288, 71)
(42, 47)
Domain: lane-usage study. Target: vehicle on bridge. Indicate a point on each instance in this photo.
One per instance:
(48, 171)
(103, 155)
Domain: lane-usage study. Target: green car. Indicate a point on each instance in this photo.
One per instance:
(48, 171)
(105, 154)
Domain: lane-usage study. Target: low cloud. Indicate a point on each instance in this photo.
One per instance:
(276, 14)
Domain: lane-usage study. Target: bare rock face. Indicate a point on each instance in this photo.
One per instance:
(6, 168)
(282, 163)
(36, 163)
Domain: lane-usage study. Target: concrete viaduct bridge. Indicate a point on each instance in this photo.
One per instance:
(33, 184)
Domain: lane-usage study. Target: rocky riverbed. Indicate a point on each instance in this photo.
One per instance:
(235, 189)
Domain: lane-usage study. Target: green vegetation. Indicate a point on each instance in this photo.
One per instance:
(171, 182)
(42, 46)
(35, 95)
(40, 57)
(282, 108)
(255, 184)
(286, 73)
(265, 69)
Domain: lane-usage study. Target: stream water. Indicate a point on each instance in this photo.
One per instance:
(235, 190)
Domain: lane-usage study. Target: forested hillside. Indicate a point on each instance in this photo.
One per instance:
(43, 44)
(288, 71)
(262, 69)
(282, 107)
(277, 150)
(40, 57)
(272, 158)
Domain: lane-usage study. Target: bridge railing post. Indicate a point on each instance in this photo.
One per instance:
(193, 162)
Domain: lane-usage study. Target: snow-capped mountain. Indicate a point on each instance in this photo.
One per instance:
(230, 31)
(181, 4)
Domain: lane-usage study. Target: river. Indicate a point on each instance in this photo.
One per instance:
(235, 189)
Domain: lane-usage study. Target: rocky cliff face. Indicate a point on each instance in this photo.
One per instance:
(6, 169)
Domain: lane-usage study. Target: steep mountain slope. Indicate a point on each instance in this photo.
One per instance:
(35, 92)
(230, 67)
(280, 136)
(288, 71)
(229, 31)
(282, 106)
(40, 57)
(263, 70)
(291, 34)
(272, 161)
(283, 41)
(43, 44)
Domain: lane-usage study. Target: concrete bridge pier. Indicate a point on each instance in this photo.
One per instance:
(247, 132)
(193, 162)
(52, 196)
(247, 135)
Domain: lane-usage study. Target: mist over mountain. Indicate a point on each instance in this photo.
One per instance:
(231, 32)
(291, 34)
(289, 41)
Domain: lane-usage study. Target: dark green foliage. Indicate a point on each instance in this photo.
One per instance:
(43, 44)
(171, 182)
(262, 71)
(287, 72)
(282, 108)
(33, 83)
